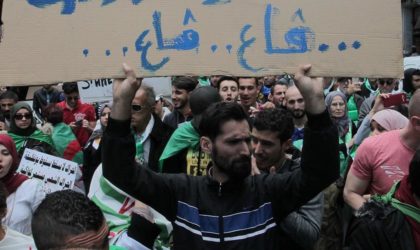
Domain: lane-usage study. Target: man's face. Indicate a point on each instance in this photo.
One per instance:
(248, 91)
(386, 86)
(6, 105)
(267, 148)
(228, 91)
(347, 87)
(214, 80)
(279, 92)
(295, 103)
(140, 111)
(179, 97)
(416, 81)
(231, 150)
(72, 99)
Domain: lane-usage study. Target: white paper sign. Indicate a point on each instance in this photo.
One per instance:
(95, 90)
(55, 173)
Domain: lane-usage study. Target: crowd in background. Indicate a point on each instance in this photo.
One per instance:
(374, 202)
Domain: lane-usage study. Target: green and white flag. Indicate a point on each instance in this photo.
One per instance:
(117, 208)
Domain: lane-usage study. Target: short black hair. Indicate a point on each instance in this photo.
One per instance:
(408, 79)
(9, 95)
(414, 174)
(226, 78)
(249, 77)
(278, 83)
(70, 87)
(185, 82)
(219, 113)
(53, 114)
(275, 120)
(343, 79)
(62, 215)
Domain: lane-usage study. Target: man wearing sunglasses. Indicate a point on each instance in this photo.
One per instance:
(79, 116)
(150, 133)
(385, 86)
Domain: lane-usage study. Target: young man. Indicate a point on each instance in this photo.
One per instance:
(181, 88)
(183, 153)
(68, 220)
(79, 116)
(248, 92)
(228, 208)
(278, 93)
(43, 97)
(271, 137)
(295, 103)
(7, 100)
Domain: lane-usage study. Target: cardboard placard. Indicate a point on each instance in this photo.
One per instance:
(48, 41)
(55, 173)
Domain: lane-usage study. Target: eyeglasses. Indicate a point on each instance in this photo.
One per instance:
(136, 107)
(72, 98)
(21, 116)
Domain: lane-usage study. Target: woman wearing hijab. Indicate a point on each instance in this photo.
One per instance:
(24, 132)
(91, 152)
(24, 195)
(9, 238)
(379, 120)
(387, 120)
(336, 103)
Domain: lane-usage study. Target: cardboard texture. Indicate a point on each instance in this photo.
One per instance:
(48, 41)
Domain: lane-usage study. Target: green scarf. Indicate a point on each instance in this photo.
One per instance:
(352, 107)
(36, 135)
(406, 209)
(185, 136)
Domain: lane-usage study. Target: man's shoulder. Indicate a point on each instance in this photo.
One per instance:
(161, 129)
(383, 139)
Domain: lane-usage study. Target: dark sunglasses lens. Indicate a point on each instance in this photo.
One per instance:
(136, 108)
(20, 117)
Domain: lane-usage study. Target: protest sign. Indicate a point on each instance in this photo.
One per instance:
(55, 173)
(98, 90)
(48, 41)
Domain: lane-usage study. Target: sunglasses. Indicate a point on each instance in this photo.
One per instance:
(72, 98)
(21, 116)
(136, 107)
(387, 82)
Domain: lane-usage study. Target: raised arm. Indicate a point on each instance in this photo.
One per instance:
(320, 158)
(118, 154)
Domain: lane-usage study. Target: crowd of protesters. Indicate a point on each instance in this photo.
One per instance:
(275, 162)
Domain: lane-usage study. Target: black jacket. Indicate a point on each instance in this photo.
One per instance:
(159, 137)
(175, 118)
(231, 215)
